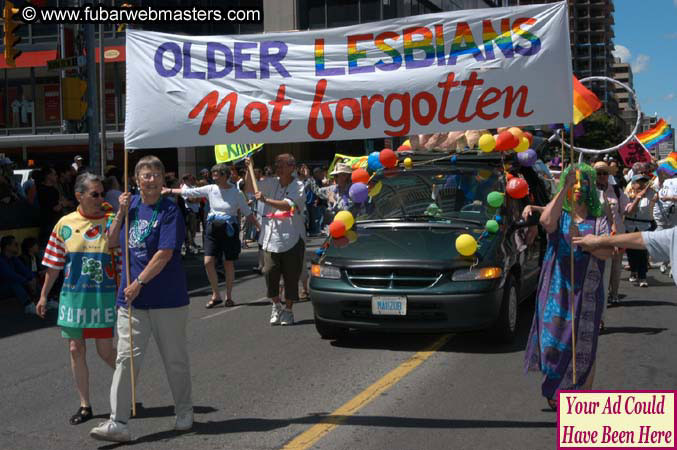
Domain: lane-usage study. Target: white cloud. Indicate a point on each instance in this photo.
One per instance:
(675, 2)
(640, 63)
(671, 96)
(670, 35)
(622, 52)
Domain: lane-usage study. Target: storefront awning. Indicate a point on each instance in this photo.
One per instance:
(112, 53)
(31, 59)
(54, 140)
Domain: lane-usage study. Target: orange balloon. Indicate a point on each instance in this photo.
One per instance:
(517, 132)
(337, 229)
(360, 176)
(509, 176)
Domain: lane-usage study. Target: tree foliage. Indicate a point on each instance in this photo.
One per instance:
(601, 131)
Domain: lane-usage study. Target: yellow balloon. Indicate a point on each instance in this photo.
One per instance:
(351, 235)
(466, 245)
(408, 163)
(523, 146)
(516, 132)
(373, 192)
(487, 143)
(346, 217)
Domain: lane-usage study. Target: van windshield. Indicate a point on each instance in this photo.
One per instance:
(433, 194)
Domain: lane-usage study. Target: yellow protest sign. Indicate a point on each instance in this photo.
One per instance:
(230, 153)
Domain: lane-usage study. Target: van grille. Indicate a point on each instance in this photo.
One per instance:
(393, 277)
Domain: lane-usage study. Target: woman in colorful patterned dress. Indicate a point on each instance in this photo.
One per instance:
(550, 344)
(79, 246)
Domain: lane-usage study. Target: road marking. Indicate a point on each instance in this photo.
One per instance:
(227, 310)
(221, 284)
(308, 438)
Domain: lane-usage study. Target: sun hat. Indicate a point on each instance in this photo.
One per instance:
(341, 168)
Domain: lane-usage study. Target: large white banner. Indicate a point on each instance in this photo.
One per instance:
(470, 69)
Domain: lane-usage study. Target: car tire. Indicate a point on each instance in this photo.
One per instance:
(329, 331)
(505, 327)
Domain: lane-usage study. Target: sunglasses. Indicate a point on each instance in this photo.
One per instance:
(96, 194)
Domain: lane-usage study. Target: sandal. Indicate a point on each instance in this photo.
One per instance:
(229, 303)
(213, 302)
(83, 415)
(552, 404)
(304, 297)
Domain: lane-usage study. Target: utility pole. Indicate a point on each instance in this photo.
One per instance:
(92, 104)
(102, 99)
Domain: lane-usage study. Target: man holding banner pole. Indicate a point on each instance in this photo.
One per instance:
(282, 234)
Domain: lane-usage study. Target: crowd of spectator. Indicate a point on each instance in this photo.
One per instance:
(49, 193)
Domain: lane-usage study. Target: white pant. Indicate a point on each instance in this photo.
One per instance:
(168, 327)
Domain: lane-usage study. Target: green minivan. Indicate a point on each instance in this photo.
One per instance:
(399, 270)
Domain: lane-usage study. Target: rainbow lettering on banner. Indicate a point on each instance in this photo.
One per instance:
(354, 54)
(425, 44)
(655, 135)
(319, 62)
(464, 44)
(504, 41)
(439, 45)
(533, 40)
(388, 50)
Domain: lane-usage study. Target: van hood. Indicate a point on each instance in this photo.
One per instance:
(393, 245)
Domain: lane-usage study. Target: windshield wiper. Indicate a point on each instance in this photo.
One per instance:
(460, 219)
(410, 218)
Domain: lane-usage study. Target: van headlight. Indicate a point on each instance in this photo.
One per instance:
(485, 273)
(324, 271)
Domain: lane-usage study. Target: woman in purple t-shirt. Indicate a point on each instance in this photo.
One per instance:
(157, 295)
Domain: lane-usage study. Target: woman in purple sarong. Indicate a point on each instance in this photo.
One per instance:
(549, 348)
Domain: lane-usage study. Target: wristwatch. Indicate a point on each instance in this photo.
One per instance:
(141, 283)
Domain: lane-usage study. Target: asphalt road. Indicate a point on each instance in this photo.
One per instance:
(262, 387)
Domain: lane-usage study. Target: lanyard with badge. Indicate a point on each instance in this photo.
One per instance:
(142, 236)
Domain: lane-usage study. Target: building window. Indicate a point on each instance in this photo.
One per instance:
(314, 14)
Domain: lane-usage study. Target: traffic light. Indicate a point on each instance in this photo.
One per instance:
(74, 101)
(10, 39)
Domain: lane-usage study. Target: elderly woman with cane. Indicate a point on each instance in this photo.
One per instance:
(222, 234)
(156, 297)
(555, 347)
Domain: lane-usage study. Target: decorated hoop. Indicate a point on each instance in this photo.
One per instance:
(592, 151)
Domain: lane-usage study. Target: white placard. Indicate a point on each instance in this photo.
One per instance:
(469, 69)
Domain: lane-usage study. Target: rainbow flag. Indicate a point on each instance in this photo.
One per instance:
(585, 102)
(669, 165)
(659, 133)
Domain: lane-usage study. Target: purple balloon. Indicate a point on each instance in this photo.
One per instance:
(359, 192)
(527, 158)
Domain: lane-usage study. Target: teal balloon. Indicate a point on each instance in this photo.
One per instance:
(492, 226)
(495, 199)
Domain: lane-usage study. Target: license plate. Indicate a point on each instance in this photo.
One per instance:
(389, 306)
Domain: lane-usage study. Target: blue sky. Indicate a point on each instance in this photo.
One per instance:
(646, 37)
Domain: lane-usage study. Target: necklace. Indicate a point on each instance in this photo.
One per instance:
(135, 224)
